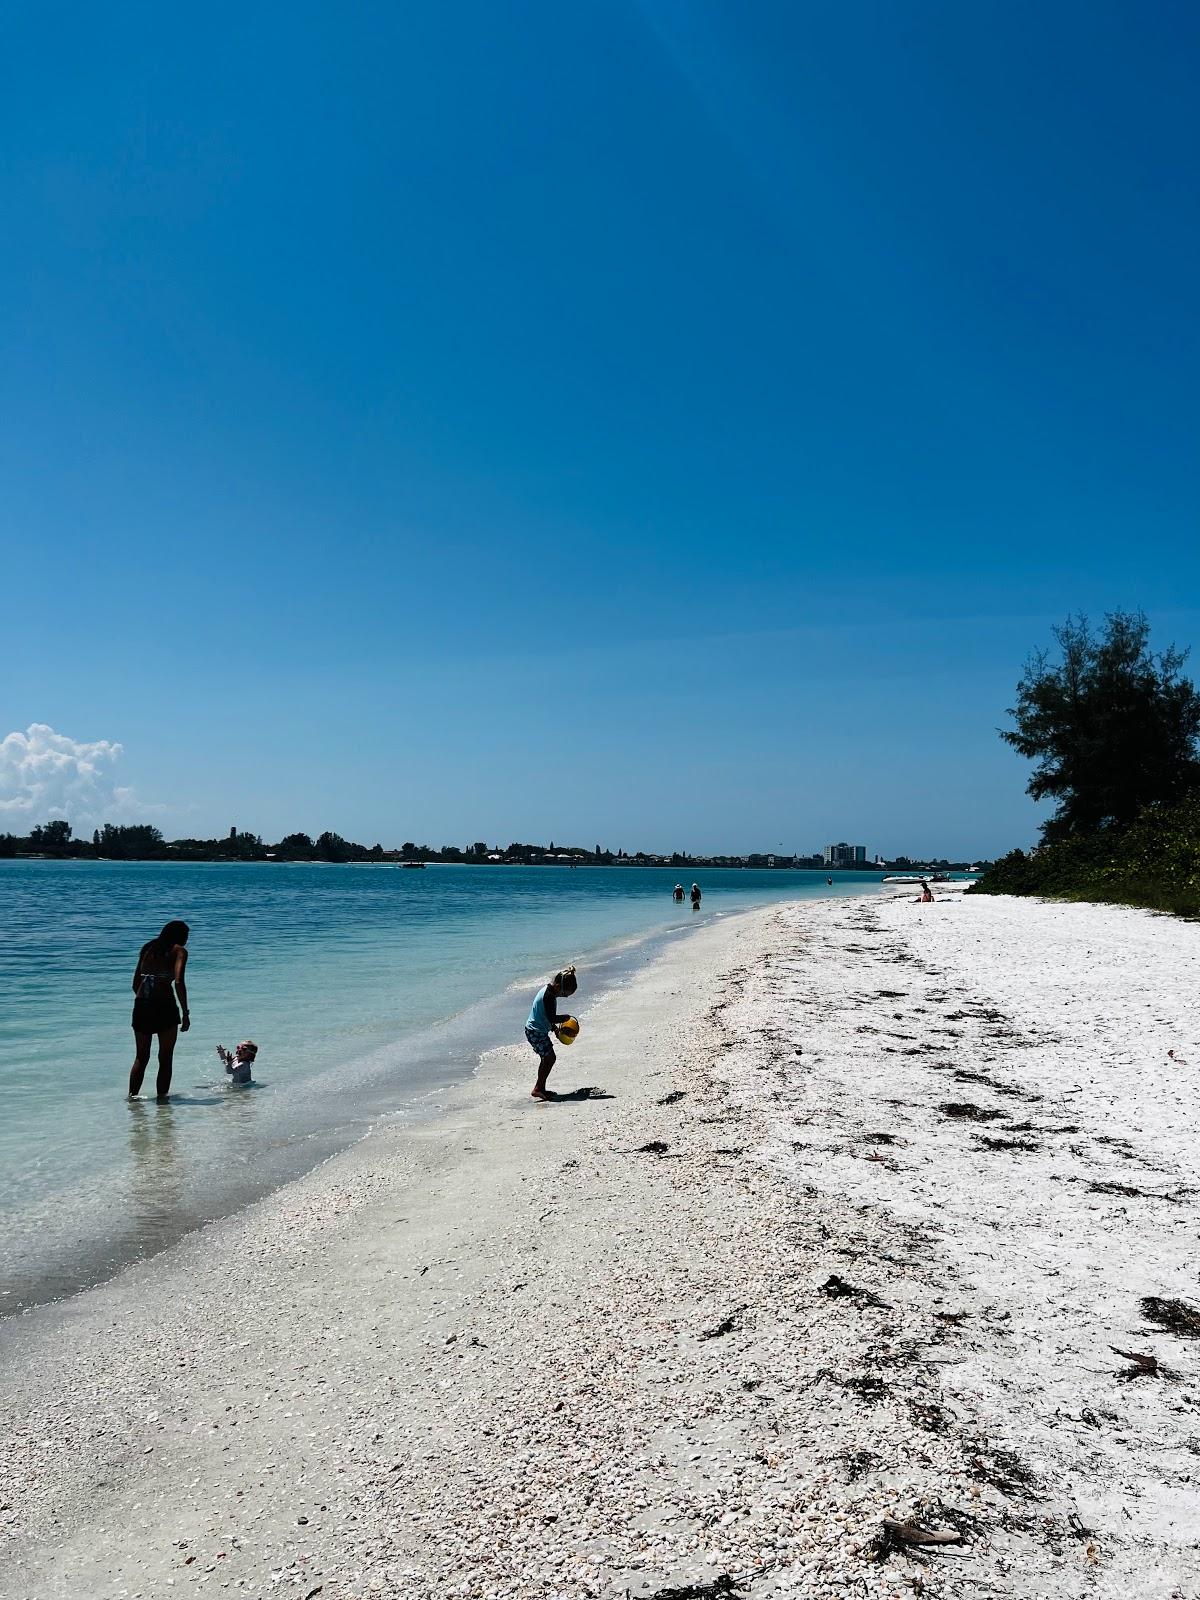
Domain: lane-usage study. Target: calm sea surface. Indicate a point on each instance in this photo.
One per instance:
(366, 988)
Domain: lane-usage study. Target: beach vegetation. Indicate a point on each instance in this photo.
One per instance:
(1155, 862)
(1112, 728)
(1110, 725)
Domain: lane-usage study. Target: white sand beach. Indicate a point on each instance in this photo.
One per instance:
(915, 1172)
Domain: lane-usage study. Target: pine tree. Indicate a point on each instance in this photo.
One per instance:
(1111, 728)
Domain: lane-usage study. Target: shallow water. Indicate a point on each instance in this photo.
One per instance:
(365, 988)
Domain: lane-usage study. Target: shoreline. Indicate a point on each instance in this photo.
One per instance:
(439, 1055)
(510, 1352)
(65, 1466)
(354, 1025)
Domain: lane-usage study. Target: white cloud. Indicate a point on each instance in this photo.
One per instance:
(44, 774)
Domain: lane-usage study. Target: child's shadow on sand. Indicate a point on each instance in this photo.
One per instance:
(588, 1092)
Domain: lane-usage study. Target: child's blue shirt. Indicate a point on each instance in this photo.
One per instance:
(538, 1017)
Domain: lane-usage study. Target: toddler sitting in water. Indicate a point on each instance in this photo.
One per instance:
(238, 1062)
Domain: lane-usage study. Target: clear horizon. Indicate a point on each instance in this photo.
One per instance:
(639, 422)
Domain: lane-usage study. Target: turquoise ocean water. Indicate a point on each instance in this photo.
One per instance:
(366, 988)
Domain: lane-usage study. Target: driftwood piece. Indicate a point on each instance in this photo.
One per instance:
(898, 1536)
(914, 1533)
(1144, 1365)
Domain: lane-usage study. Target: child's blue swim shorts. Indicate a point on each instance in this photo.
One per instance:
(540, 1042)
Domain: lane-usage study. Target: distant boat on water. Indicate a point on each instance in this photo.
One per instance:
(917, 877)
(420, 865)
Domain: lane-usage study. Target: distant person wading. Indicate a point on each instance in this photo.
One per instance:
(157, 979)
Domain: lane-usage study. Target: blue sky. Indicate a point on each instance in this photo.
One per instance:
(664, 424)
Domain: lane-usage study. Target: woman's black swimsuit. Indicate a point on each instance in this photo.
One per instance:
(154, 1006)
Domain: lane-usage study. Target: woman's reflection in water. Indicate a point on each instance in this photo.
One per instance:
(173, 1143)
(156, 1176)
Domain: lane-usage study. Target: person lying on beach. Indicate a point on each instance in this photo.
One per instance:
(543, 1019)
(238, 1062)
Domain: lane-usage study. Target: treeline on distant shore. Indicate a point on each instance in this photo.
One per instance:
(143, 842)
(1114, 731)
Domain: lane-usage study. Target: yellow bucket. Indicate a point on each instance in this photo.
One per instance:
(567, 1030)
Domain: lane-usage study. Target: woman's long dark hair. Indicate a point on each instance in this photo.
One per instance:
(173, 933)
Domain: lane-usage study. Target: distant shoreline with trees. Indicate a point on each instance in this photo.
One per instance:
(55, 841)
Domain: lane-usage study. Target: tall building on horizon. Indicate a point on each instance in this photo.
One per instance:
(845, 855)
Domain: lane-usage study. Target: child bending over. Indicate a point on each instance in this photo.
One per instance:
(543, 1019)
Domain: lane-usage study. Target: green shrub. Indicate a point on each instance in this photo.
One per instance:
(1155, 862)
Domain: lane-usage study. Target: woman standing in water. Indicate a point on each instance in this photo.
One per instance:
(161, 963)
